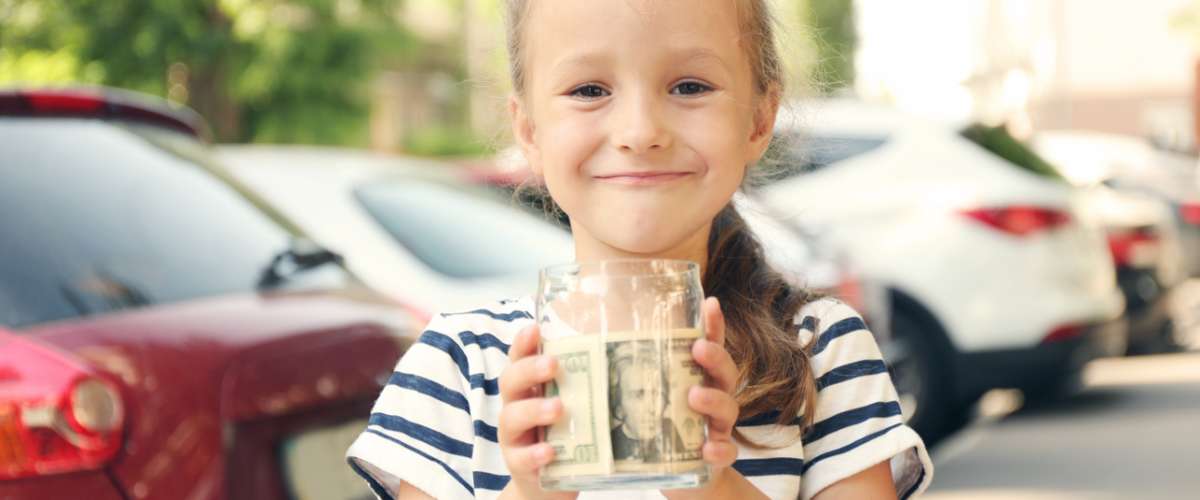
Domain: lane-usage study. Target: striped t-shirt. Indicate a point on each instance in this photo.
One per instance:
(434, 424)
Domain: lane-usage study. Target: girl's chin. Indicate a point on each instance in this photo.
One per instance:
(656, 235)
(649, 246)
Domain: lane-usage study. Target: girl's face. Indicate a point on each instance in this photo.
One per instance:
(641, 116)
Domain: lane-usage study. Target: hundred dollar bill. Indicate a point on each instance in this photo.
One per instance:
(580, 439)
(652, 428)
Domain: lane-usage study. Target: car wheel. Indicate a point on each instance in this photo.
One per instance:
(1052, 389)
(917, 369)
(1161, 341)
(1168, 337)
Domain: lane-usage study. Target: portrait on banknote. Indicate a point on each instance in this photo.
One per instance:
(649, 422)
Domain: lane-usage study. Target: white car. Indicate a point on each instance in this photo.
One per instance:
(1132, 165)
(997, 278)
(1143, 230)
(408, 228)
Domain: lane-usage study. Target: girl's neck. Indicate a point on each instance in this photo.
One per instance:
(694, 248)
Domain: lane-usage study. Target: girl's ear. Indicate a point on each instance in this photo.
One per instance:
(763, 124)
(522, 127)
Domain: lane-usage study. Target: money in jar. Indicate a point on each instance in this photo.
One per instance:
(622, 332)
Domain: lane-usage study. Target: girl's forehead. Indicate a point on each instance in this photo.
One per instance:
(561, 31)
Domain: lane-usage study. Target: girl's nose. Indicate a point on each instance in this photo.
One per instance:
(637, 124)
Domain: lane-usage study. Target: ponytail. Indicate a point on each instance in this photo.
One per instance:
(759, 306)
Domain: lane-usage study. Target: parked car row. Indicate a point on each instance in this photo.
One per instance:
(179, 320)
(1001, 273)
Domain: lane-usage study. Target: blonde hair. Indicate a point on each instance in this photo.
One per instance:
(759, 305)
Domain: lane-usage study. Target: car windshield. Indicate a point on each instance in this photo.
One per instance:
(463, 233)
(998, 141)
(99, 217)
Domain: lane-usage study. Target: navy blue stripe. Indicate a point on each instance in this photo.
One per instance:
(848, 325)
(765, 418)
(851, 418)
(809, 323)
(913, 489)
(485, 431)
(750, 467)
(379, 490)
(452, 472)
(430, 388)
(515, 315)
(490, 386)
(485, 340)
(485, 481)
(444, 343)
(850, 447)
(851, 371)
(421, 433)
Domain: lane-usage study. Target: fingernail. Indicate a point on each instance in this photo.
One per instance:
(550, 405)
(546, 366)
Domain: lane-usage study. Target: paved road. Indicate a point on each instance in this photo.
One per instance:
(1133, 432)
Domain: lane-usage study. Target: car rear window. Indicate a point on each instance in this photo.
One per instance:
(99, 217)
(998, 141)
(463, 233)
(793, 154)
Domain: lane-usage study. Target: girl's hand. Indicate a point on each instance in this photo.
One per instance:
(524, 410)
(715, 401)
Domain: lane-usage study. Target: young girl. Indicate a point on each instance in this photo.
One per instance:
(643, 117)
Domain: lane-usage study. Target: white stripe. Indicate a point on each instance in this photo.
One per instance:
(421, 409)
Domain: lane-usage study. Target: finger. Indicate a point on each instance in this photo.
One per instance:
(520, 417)
(525, 343)
(717, 364)
(528, 458)
(522, 376)
(718, 406)
(720, 453)
(714, 321)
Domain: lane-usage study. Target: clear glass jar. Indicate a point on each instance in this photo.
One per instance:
(622, 331)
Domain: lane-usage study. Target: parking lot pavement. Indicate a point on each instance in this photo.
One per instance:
(1132, 432)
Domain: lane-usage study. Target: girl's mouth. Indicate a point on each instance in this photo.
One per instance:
(642, 178)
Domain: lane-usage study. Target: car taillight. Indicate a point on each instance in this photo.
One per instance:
(101, 104)
(1190, 213)
(79, 431)
(850, 291)
(56, 416)
(62, 103)
(1020, 220)
(1133, 247)
(1064, 333)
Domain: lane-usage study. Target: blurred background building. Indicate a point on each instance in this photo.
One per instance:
(1108, 65)
(430, 77)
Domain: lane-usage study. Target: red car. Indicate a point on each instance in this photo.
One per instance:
(162, 334)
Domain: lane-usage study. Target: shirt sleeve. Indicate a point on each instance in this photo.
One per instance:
(857, 421)
(420, 430)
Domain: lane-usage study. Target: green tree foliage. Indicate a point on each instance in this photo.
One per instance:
(258, 70)
(833, 32)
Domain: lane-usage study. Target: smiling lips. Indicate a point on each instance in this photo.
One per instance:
(642, 178)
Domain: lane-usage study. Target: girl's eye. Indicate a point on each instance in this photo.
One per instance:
(690, 88)
(589, 91)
